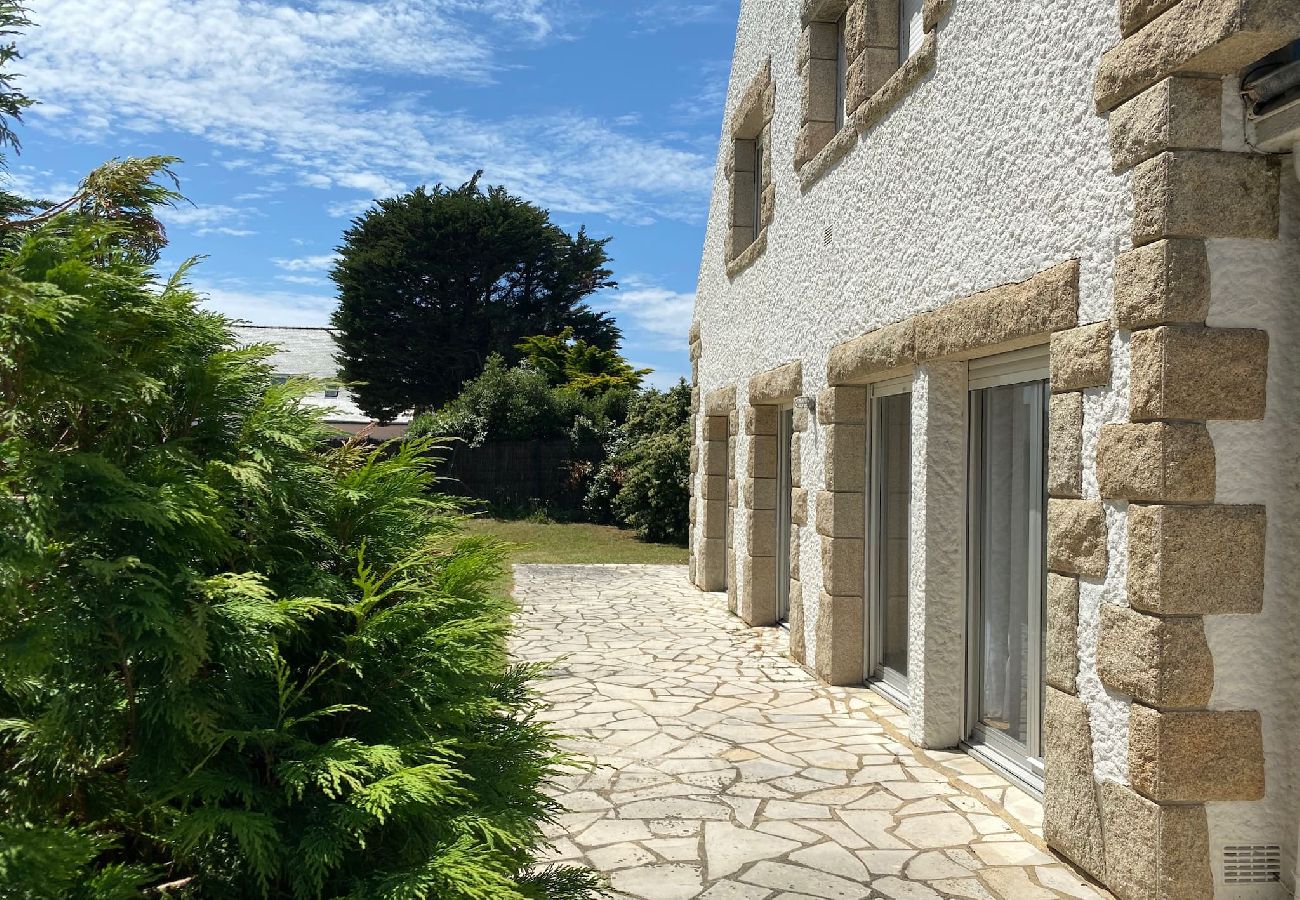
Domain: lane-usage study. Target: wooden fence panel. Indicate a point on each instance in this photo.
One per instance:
(521, 474)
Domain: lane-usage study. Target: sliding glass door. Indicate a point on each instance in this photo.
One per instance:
(1008, 540)
(889, 524)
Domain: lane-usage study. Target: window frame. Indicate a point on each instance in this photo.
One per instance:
(1005, 754)
(784, 524)
(906, 29)
(894, 686)
(841, 72)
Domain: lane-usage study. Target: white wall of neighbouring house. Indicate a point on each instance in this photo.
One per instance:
(994, 168)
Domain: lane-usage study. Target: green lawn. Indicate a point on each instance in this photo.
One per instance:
(552, 542)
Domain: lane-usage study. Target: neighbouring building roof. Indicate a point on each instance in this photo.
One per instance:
(310, 353)
(305, 352)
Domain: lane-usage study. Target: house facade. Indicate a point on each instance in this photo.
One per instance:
(311, 353)
(996, 401)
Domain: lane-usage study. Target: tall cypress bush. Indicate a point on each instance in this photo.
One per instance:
(234, 662)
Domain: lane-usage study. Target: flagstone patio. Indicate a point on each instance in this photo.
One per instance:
(724, 771)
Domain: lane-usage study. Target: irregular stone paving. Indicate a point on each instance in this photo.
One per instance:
(724, 771)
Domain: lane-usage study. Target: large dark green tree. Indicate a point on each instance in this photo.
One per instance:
(435, 281)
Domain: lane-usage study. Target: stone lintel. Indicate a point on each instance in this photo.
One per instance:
(1164, 282)
(1076, 537)
(1005, 315)
(1156, 462)
(1196, 560)
(1213, 37)
(1190, 372)
(752, 111)
(782, 383)
(1159, 661)
(720, 402)
(1196, 756)
(1133, 14)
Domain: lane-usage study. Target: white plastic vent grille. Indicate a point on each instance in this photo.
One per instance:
(828, 236)
(1259, 864)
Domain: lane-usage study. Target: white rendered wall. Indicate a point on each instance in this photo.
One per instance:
(1256, 284)
(1109, 711)
(993, 169)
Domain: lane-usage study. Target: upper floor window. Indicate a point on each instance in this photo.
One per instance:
(911, 28)
(857, 59)
(749, 172)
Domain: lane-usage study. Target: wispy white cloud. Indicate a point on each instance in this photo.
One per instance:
(662, 314)
(206, 219)
(307, 263)
(662, 14)
(32, 183)
(347, 209)
(266, 307)
(707, 103)
(293, 84)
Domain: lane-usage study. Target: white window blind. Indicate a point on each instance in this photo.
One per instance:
(1030, 364)
(911, 27)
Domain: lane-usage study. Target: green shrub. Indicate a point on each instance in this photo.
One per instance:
(234, 663)
(645, 481)
(519, 403)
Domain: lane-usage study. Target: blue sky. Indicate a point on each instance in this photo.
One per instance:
(292, 115)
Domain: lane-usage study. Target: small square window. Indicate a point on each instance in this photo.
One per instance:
(332, 392)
